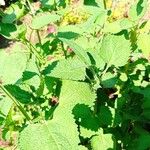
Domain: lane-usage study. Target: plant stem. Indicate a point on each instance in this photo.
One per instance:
(34, 51)
(16, 103)
(104, 2)
(33, 14)
(31, 8)
(39, 38)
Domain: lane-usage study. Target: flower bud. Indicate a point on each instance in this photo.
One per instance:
(51, 29)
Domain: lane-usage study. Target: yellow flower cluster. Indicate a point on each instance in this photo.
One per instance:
(75, 16)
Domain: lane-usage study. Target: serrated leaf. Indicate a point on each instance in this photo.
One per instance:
(88, 127)
(12, 64)
(43, 19)
(143, 43)
(50, 135)
(115, 50)
(70, 69)
(79, 51)
(73, 93)
(20, 94)
(102, 142)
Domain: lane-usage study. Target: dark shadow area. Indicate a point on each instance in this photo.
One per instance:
(90, 2)
(4, 43)
(86, 118)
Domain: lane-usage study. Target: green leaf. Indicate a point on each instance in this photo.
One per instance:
(70, 28)
(31, 75)
(70, 69)
(138, 9)
(90, 45)
(87, 129)
(79, 51)
(142, 142)
(12, 64)
(5, 106)
(143, 44)
(20, 94)
(115, 50)
(97, 19)
(82, 147)
(12, 13)
(117, 26)
(50, 135)
(109, 80)
(102, 142)
(42, 20)
(72, 94)
(105, 116)
(7, 29)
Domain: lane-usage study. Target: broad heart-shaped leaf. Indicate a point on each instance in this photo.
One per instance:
(102, 142)
(143, 43)
(70, 69)
(50, 135)
(43, 19)
(79, 51)
(12, 64)
(72, 93)
(115, 50)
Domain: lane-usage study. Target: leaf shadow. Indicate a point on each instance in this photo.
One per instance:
(85, 117)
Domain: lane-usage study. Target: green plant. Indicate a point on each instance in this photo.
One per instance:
(76, 85)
